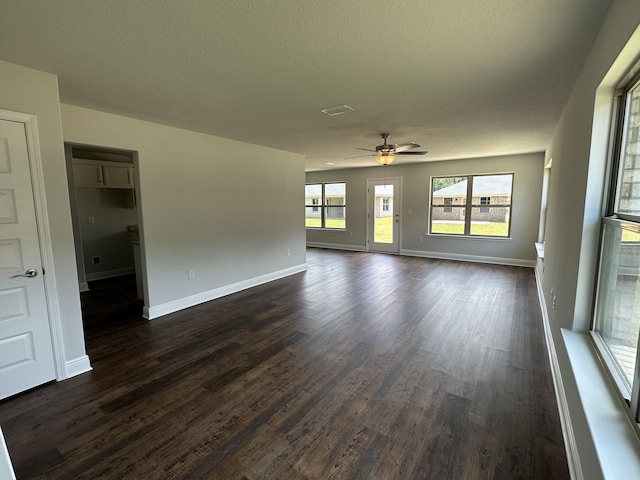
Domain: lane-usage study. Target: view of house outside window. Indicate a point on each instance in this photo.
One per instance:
(325, 205)
(617, 313)
(472, 205)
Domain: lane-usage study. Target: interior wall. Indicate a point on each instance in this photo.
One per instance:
(30, 91)
(576, 188)
(228, 210)
(527, 188)
(106, 236)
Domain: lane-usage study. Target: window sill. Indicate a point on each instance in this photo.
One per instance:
(320, 229)
(612, 432)
(471, 237)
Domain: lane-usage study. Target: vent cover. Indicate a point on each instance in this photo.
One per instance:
(337, 110)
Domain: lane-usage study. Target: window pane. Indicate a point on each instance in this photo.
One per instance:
(449, 191)
(312, 217)
(383, 224)
(490, 221)
(492, 189)
(629, 181)
(449, 220)
(448, 200)
(618, 307)
(313, 194)
(334, 217)
(335, 193)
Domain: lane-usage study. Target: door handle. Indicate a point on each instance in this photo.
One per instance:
(32, 272)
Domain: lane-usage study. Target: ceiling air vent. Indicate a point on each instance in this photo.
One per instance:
(337, 110)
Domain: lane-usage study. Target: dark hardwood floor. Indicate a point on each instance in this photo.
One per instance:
(367, 366)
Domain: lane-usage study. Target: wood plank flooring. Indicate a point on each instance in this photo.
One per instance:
(367, 366)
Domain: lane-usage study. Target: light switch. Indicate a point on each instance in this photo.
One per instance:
(91, 220)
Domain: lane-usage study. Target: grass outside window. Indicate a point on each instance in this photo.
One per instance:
(334, 223)
(483, 229)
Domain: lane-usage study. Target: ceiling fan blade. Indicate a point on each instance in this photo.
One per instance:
(405, 146)
(359, 156)
(411, 153)
(366, 149)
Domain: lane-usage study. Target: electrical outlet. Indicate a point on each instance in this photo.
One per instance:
(288, 252)
(191, 274)
(554, 302)
(420, 238)
(96, 260)
(91, 220)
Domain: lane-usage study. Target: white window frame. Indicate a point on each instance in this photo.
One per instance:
(613, 218)
(324, 204)
(468, 206)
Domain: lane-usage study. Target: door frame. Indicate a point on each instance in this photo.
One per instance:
(397, 200)
(44, 235)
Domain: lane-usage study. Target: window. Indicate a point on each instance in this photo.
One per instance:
(385, 204)
(485, 201)
(325, 205)
(616, 328)
(471, 205)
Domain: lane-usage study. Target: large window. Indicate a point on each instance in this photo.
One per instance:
(617, 312)
(471, 205)
(325, 205)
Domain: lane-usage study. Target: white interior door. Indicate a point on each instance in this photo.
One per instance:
(383, 212)
(26, 352)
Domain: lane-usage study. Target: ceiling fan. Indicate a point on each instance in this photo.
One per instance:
(386, 153)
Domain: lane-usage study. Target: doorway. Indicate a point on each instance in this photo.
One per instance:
(105, 210)
(383, 215)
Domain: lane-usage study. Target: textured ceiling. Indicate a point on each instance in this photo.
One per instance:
(463, 78)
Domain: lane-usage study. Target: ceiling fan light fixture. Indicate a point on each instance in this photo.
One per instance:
(385, 158)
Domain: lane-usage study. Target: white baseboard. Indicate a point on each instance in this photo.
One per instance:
(84, 286)
(570, 445)
(77, 366)
(109, 274)
(514, 262)
(158, 311)
(337, 246)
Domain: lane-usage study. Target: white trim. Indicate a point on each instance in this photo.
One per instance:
(118, 272)
(83, 286)
(616, 444)
(44, 235)
(514, 262)
(570, 445)
(337, 246)
(186, 302)
(6, 469)
(77, 366)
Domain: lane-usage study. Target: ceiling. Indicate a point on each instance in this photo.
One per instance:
(463, 78)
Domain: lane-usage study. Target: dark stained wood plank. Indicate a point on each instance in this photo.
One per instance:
(367, 366)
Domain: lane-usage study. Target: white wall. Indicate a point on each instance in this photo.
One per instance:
(527, 188)
(578, 149)
(226, 209)
(30, 91)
